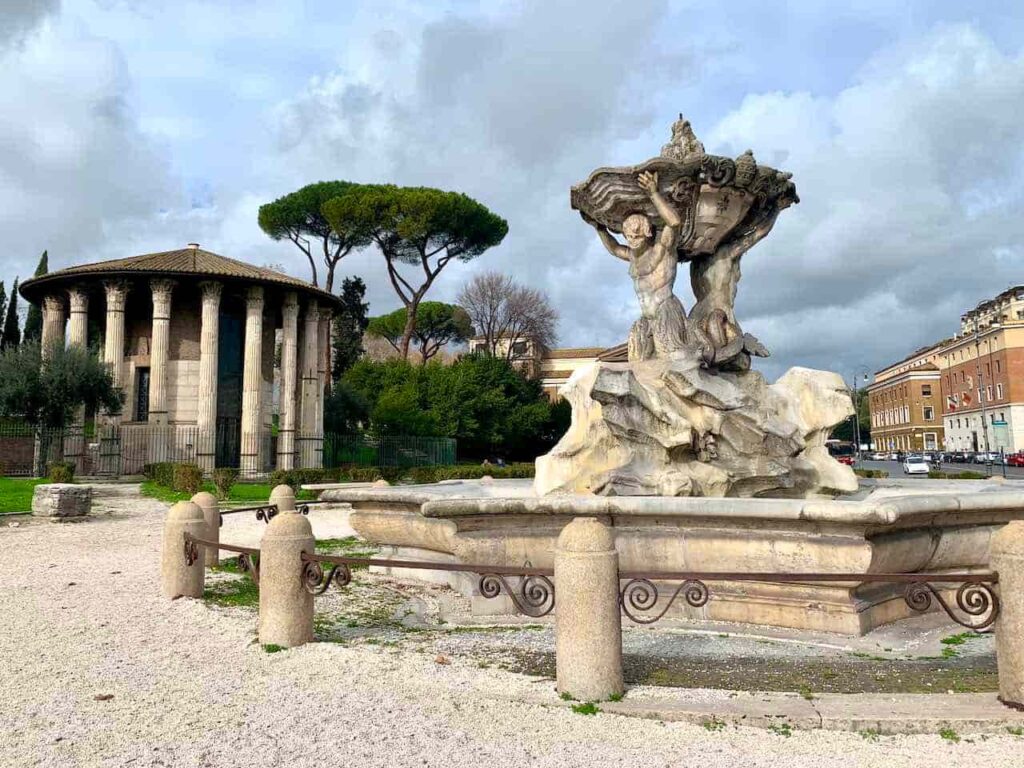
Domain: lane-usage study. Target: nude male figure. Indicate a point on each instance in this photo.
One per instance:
(662, 327)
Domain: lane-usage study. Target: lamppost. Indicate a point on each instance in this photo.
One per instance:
(861, 370)
(981, 384)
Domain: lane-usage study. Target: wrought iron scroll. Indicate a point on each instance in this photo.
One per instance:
(250, 563)
(535, 596)
(315, 580)
(191, 550)
(642, 595)
(977, 604)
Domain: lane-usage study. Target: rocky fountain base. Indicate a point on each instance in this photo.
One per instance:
(669, 427)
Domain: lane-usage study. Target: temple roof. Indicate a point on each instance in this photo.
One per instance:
(183, 262)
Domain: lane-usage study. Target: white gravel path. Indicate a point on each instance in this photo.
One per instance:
(81, 617)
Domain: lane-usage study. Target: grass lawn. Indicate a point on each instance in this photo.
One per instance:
(241, 493)
(16, 494)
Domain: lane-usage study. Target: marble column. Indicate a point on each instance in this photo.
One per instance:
(113, 356)
(252, 383)
(159, 350)
(53, 323)
(78, 336)
(113, 339)
(289, 376)
(309, 440)
(206, 413)
(323, 365)
(52, 335)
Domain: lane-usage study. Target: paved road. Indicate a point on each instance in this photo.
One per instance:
(895, 468)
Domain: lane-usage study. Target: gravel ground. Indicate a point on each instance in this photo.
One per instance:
(96, 669)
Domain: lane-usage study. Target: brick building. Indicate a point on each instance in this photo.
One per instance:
(905, 402)
(974, 383)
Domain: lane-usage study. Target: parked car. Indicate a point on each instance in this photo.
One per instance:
(893, 456)
(915, 464)
(877, 456)
(847, 460)
(983, 457)
(962, 457)
(1015, 460)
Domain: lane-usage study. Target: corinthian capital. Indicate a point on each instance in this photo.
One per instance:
(117, 292)
(211, 291)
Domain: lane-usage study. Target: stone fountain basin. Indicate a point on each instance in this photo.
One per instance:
(888, 526)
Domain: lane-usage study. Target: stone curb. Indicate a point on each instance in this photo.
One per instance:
(883, 714)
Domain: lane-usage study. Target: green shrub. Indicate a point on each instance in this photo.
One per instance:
(299, 477)
(223, 479)
(187, 478)
(871, 473)
(966, 475)
(161, 473)
(61, 472)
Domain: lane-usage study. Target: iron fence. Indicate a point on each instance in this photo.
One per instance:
(116, 450)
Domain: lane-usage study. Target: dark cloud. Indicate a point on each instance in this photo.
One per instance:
(18, 18)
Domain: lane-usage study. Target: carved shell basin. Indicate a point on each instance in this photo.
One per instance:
(716, 197)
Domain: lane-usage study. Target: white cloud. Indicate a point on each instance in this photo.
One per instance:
(910, 182)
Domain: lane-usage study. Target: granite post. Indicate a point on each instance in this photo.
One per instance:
(286, 606)
(211, 514)
(1007, 559)
(179, 578)
(588, 626)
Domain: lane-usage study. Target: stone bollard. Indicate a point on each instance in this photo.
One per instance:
(284, 497)
(1007, 559)
(211, 513)
(177, 577)
(588, 626)
(286, 607)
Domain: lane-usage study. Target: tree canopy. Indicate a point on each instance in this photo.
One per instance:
(503, 312)
(415, 226)
(34, 320)
(350, 323)
(437, 324)
(482, 402)
(10, 334)
(47, 393)
(297, 216)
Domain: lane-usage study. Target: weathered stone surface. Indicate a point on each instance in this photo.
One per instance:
(588, 625)
(61, 500)
(1007, 559)
(669, 427)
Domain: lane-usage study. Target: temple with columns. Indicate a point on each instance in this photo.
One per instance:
(190, 337)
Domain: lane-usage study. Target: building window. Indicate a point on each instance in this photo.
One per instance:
(926, 390)
(519, 348)
(958, 423)
(929, 413)
(999, 391)
(988, 393)
(998, 366)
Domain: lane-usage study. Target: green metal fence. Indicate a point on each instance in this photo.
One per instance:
(388, 451)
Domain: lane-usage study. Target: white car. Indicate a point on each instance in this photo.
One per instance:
(915, 464)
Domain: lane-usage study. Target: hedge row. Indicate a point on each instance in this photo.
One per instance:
(299, 477)
(186, 478)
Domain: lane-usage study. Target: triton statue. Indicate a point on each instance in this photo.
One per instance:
(677, 411)
(709, 210)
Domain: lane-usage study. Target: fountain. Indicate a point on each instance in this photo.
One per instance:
(695, 460)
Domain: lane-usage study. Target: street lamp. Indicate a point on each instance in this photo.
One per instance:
(861, 370)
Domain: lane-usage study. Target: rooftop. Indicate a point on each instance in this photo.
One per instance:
(191, 261)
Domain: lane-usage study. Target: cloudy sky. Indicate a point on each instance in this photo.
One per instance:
(130, 126)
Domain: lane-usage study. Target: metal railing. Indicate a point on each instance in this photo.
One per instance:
(976, 603)
(116, 450)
